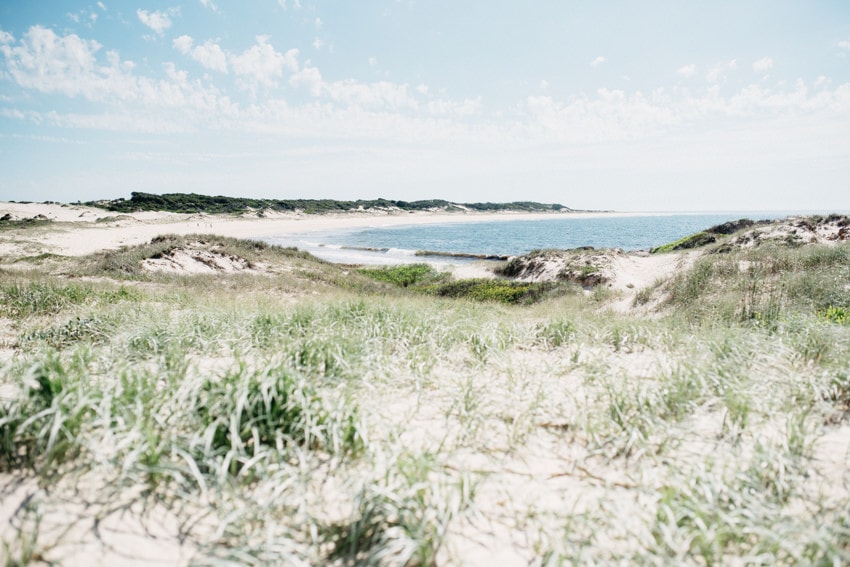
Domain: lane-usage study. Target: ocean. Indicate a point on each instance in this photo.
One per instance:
(452, 242)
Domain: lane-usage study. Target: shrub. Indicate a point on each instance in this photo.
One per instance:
(692, 241)
(404, 275)
(840, 315)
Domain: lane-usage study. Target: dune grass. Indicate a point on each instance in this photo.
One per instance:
(317, 416)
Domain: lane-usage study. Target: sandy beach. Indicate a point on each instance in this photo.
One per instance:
(140, 421)
(80, 230)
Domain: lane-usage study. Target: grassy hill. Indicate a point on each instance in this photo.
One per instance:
(277, 406)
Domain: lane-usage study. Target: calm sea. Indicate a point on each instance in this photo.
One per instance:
(395, 245)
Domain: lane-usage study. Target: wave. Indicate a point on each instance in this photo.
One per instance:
(466, 255)
(365, 249)
(402, 252)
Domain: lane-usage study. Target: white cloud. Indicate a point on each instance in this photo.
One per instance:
(210, 54)
(718, 72)
(597, 62)
(49, 63)
(209, 4)
(84, 16)
(102, 6)
(544, 84)
(390, 112)
(463, 108)
(318, 23)
(296, 4)
(68, 65)
(183, 44)
(156, 20)
(713, 74)
(763, 64)
(380, 95)
(318, 44)
(687, 70)
(308, 77)
(262, 65)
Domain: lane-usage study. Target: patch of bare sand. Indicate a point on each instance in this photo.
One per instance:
(89, 529)
(472, 270)
(625, 273)
(192, 260)
(636, 272)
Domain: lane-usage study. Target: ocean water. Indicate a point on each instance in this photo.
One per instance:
(396, 245)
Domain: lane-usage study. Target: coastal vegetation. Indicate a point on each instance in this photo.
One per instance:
(240, 403)
(425, 279)
(195, 203)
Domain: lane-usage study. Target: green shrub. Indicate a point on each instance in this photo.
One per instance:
(840, 315)
(404, 275)
(195, 203)
(692, 241)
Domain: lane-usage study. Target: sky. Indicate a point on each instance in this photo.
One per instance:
(644, 105)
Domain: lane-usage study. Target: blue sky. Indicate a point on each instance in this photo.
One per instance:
(650, 105)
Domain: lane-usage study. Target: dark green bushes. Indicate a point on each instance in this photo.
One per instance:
(405, 275)
(425, 279)
(686, 243)
(194, 203)
(500, 291)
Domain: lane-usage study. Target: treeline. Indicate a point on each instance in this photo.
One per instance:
(194, 203)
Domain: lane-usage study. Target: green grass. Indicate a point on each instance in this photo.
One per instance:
(696, 240)
(310, 415)
(23, 224)
(838, 315)
(425, 279)
(23, 299)
(405, 275)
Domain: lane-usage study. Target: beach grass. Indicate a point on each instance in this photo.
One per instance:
(317, 414)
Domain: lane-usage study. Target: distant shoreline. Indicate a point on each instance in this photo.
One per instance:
(78, 230)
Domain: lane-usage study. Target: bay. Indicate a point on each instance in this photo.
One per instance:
(400, 244)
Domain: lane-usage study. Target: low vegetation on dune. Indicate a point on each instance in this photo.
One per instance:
(423, 278)
(195, 203)
(272, 408)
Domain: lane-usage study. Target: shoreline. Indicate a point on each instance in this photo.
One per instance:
(78, 230)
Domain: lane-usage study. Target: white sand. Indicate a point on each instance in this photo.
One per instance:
(79, 230)
(78, 233)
